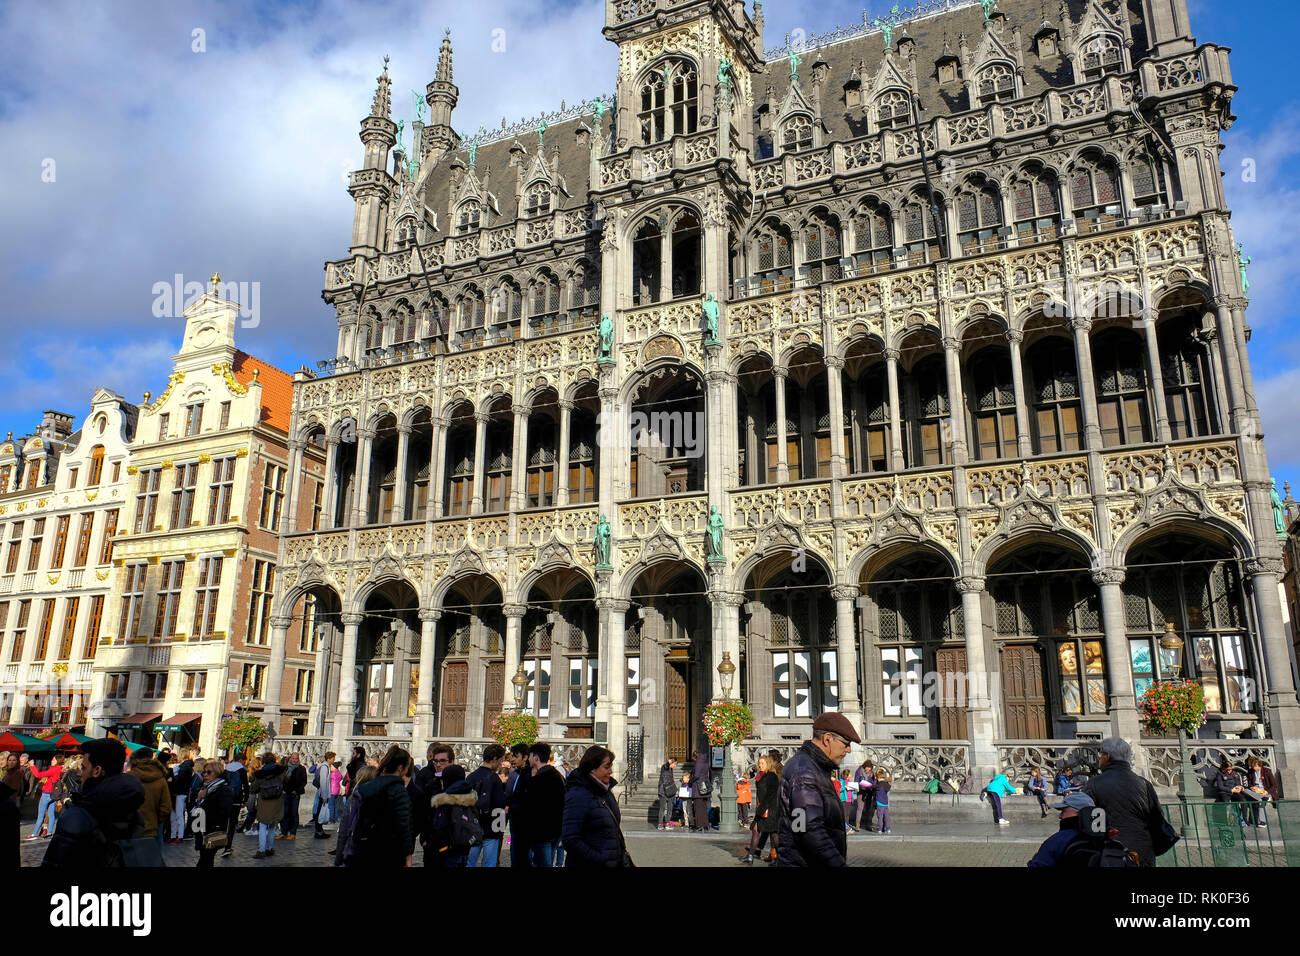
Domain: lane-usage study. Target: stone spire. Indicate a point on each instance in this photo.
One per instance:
(444, 59)
(382, 106)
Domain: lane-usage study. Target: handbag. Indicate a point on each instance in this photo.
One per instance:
(216, 841)
(1163, 838)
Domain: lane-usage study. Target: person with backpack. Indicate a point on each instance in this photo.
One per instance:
(237, 779)
(1073, 846)
(179, 788)
(456, 826)
(210, 813)
(268, 784)
(382, 837)
(700, 792)
(106, 811)
(491, 798)
(321, 774)
(343, 847)
(157, 806)
(1130, 802)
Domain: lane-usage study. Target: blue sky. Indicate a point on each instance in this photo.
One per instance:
(234, 158)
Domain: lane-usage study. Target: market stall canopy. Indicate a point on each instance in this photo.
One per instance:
(21, 743)
(136, 721)
(175, 722)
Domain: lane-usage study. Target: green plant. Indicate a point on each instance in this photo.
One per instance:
(1173, 705)
(511, 728)
(241, 733)
(727, 722)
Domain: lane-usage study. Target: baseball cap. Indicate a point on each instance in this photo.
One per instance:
(106, 753)
(834, 723)
(1076, 801)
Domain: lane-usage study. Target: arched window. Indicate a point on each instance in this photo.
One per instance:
(507, 308)
(1118, 359)
(544, 315)
(979, 216)
(438, 314)
(96, 466)
(470, 314)
(893, 109)
(584, 456)
(798, 134)
(773, 258)
(869, 402)
(1094, 191)
(584, 291)
(1184, 370)
(1054, 386)
(1102, 54)
(803, 639)
(822, 250)
(1037, 209)
(646, 263)
(687, 246)
(405, 234)
(537, 199)
(926, 401)
(919, 231)
(1148, 175)
(993, 401)
(405, 324)
(499, 465)
(873, 235)
(669, 101)
(995, 83)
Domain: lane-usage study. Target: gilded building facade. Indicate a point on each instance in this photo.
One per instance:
(61, 499)
(186, 631)
(907, 367)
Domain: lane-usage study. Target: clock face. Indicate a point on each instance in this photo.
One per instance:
(205, 336)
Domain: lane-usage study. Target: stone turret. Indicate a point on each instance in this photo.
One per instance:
(442, 95)
(371, 187)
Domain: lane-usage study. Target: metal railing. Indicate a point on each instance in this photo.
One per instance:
(1227, 834)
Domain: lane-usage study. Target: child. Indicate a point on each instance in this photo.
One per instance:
(844, 792)
(684, 800)
(883, 823)
(336, 791)
(744, 800)
(1038, 787)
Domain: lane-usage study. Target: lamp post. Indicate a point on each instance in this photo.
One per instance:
(245, 698)
(1171, 662)
(727, 814)
(519, 682)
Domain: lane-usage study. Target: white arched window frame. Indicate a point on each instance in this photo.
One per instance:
(537, 199)
(893, 109)
(1103, 53)
(669, 97)
(469, 215)
(471, 311)
(996, 83)
(797, 133)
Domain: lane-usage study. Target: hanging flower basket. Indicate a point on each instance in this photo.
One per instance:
(241, 733)
(728, 722)
(1169, 706)
(509, 729)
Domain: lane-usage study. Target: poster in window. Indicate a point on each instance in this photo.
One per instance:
(891, 682)
(1069, 658)
(830, 686)
(1205, 657)
(1140, 685)
(802, 681)
(1071, 702)
(1213, 699)
(1097, 695)
(1093, 661)
(1140, 655)
(914, 668)
(633, 683)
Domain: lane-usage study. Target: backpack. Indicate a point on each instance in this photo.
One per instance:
(1095, 850)
(466, 829)
(237, 781)
(932, 786)
(375, 832)
(271, 788)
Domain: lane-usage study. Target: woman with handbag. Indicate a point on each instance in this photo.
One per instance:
(591, 832)
(210, 813)
(767, 809)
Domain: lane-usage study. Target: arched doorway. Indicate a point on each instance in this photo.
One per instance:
(560, 639)
(388, 661)
(470, 658)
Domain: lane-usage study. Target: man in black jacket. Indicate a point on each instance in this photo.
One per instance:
(543, 808)
(486, 782)
(1130, 801)
(429, 783)
(179, 787)
(295, 785)
(516, 786)
(107, 810)
(811, 825)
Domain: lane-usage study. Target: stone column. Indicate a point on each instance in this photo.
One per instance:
(519, 461)
(614, 662)
(1087, 384)
(514, 620)
(331, 481)
(1231, 366)
(846, 652)
(1161, 416)
(1283, 711)
(980, 715)
(1219, 384)
(289, 523)
(834, 365)
(361, 503)
(1119, 665)
(782, 452)
(424, 715)
(715, 432)
(1024, 441)
(438, 465)
(345, 713)
(319, 703)
(275, 669)
(895, 412)
(480, 451)
(1239, 330)
(562, 458)
(399, 483)
(956, 398)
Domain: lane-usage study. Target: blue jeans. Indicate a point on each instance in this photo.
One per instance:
(319, 805)
(289, 822)
(544, 854)
(559, 853)
(337, 806)
(45, 812)
(489, 849)
(266, 836)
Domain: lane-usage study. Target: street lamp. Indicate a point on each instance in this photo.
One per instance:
(727, 814)
(245, 698)
(1171, 663)
(519, 681)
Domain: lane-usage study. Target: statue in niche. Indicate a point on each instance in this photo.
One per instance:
(715, 535)
(602, 544)
(605, 350)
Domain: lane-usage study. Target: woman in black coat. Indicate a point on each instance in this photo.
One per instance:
(211, 811)
(592, 837)
(382, 836)
(767, 808)
(667, 793)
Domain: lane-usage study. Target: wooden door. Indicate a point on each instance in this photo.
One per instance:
(1025, 704)
(950, 664)
(493, 694)
(677, 728)
(455, 696)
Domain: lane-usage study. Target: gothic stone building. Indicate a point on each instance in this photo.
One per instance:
(978, 402)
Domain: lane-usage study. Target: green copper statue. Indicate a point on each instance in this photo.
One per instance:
(724, 80)
(1279, 512)
(598, 110)
(1242, 261)
(715, 536)
(794, 64)
(601, 541)
(541, 130)
(988, 6)
(605, 350)
(711, 310)
(400, 125)
(419, 106)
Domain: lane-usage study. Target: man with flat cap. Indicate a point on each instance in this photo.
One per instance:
(811, 824)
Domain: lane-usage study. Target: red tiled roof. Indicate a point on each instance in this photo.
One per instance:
(277, 389)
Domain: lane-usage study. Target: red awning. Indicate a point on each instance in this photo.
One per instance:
(138, 720)
(175, 722)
